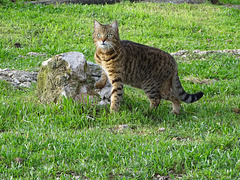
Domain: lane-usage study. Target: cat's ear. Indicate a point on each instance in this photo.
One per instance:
(97, 24)
(115, 25)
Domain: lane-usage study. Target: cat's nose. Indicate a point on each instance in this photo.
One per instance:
(103, 42)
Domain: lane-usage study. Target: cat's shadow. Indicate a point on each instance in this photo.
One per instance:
(140, 107)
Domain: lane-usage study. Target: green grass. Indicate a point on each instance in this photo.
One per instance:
(230, 1)
(72, 140)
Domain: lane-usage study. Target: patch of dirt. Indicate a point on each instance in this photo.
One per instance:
(232, 6)
(120, 128)
(159, 177)
(236, 110)
(186, 53)
(199, 81)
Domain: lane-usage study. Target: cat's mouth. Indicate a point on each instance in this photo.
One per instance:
(103, 44)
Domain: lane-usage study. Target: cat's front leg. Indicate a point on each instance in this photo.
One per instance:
(117, 93)
(102, 81)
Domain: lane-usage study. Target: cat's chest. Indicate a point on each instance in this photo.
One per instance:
(103, 57)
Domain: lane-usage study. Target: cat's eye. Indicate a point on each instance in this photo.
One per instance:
(98, 35)
(109, 35)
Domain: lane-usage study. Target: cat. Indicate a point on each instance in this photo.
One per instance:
(140, 66)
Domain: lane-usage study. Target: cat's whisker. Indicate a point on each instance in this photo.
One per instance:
(113, 48)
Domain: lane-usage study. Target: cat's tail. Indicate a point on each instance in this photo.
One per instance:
(182, 94)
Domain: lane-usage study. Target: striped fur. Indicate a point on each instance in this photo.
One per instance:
(141, 66)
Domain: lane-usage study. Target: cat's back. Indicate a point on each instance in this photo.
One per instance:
(144, 52)
(144, 62)
(147, 55)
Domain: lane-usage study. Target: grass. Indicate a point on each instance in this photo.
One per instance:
(229, 2)
(72, 140)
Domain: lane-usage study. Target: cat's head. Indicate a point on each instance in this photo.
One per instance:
(106, 37)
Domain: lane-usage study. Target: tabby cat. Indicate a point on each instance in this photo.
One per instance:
(141, 66)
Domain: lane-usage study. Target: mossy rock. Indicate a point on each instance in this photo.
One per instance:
(68, 75)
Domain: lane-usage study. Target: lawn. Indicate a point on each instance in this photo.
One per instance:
(73, 141)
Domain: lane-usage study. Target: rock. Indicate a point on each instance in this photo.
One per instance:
(36, 54)
(161, 129)
(174, 1)
(159, 177)
(184, 53)
(18, 78)
(17, 45)
(179, 53)
(122, 127)
(214, 1)
(95, 72)
(236, 110)
(196, 51)
(199, 81)
(25, 84)
(18, 160)
(21, 56)
(71, 76)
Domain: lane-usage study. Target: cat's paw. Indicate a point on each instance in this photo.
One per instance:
(175, 112)
(114, 109)
(99, 85)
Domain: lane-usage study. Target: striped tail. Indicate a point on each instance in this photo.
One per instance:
(182, 94)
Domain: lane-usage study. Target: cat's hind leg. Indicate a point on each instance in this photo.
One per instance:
(168, 94)
(154, 103)
(176, 103)
(153, 96)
